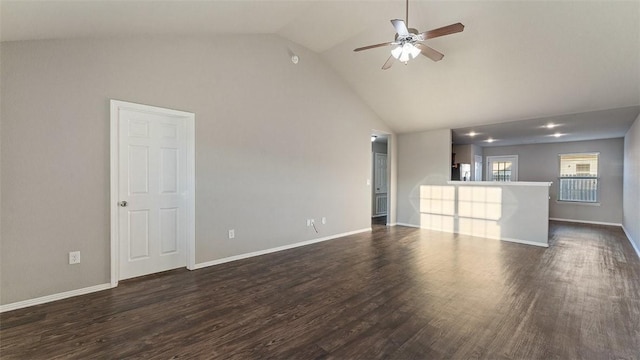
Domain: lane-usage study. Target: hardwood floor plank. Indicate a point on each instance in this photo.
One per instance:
(397, 293)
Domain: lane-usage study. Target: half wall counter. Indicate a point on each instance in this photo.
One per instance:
(508, 211)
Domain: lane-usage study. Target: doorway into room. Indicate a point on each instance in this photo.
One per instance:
(152, 190)
(379, 179)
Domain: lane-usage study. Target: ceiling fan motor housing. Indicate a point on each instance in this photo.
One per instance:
(413, 36)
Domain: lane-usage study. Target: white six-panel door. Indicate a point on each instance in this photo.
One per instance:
(153, 190)
(381, 183)
(380, 169)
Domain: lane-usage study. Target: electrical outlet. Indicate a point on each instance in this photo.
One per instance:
(232, 233)
(308, 222)
(324, 220)
(313, 221)
(74, 257)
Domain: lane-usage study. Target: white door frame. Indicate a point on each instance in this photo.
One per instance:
(477, 167)
(116, 105)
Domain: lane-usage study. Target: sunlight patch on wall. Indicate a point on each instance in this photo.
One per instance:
(480, 202)
(437, 207)
(438, 199)
(471, 210)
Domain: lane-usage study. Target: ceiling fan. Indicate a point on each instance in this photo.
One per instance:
(408, 41)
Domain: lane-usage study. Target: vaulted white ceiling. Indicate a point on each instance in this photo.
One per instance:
(515, 60)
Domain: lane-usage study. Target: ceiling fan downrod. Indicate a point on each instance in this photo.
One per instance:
(406, 14)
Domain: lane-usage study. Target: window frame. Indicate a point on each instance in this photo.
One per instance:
(514, 166)
(597, 178)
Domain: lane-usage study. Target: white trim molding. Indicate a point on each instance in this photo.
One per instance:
(586, 222)
(519, 241)
(408, 225)
(631, 241)
(501, 183)
(580, 203)
(276, 249)
(53, 297)
(526, 242)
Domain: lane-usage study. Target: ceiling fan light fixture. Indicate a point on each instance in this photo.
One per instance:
(404, 57)
(405, 52)
(396, 52)
(408, 51)
(414, 51)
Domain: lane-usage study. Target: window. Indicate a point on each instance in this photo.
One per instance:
(578, 178)
(502, 168)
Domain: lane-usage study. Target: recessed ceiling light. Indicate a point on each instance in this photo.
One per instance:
(557, 135)
(490, 140)
(472, 134)
(550, 125)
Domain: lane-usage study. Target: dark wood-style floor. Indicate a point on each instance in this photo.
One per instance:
(398, 293)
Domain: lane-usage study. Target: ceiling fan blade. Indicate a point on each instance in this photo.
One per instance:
(388, 63)
(445, 30)
(431, 53)
(400, 26)
(372, 46)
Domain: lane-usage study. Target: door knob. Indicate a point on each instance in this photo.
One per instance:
(122, 203)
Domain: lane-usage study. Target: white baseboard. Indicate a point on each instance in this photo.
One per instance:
(631, 241)
(276, 249)
(408, 225)
(53, 297)
(392, 224)
(586, 222)
(92, 289)
(526, 242)
(519, 241)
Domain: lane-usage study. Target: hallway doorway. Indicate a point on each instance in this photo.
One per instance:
(379, 179)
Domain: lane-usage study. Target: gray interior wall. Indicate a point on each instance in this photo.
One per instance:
(539, 162)
(424, 158)
(262, 164)
(631, 202)
(1, 247)
(463, 153)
